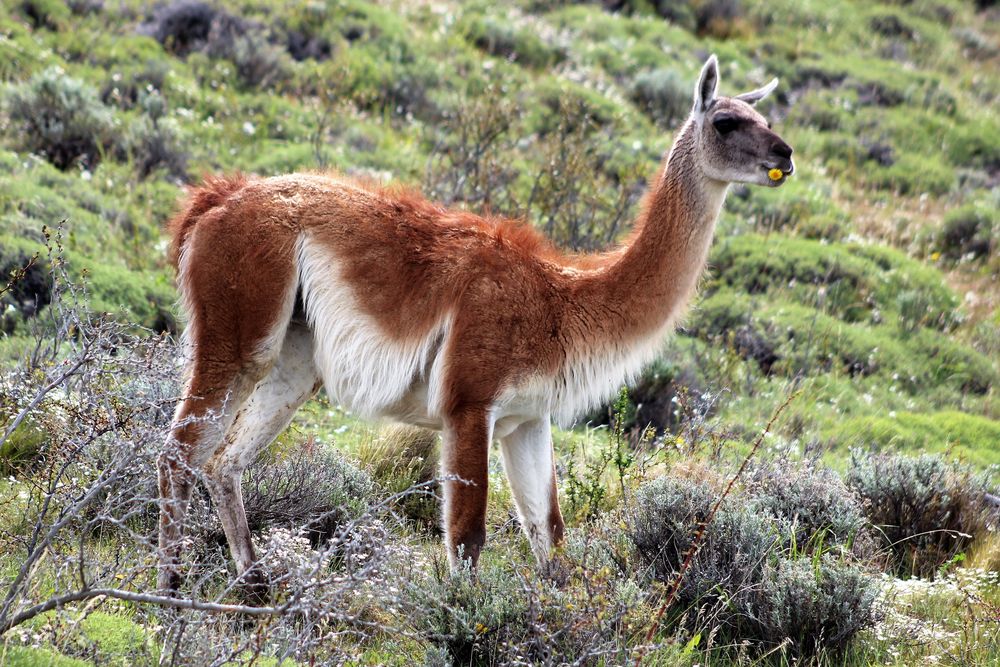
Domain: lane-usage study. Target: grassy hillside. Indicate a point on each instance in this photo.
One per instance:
(867, 286)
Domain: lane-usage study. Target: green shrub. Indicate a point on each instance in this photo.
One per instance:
(61, 117)
(975, 143)
(146, 299)
(856, 280)
(20, 656)
(22, 447)
(48, 14)
(971, 437)
(926, 509)
(913, 175)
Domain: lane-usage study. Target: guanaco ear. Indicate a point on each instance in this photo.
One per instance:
(708, 83)
(755, 96)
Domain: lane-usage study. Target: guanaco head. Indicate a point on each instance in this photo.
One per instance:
(735, 142)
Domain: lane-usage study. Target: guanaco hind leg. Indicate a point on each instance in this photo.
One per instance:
(212, 397)
(238, 322)
(527, 459)
(267, 412)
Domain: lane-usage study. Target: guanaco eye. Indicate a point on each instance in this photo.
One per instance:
(725, 125)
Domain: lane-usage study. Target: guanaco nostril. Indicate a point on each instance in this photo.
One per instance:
(782, 149)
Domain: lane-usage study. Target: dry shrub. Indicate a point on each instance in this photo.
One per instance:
(819, 508)
(927, 510)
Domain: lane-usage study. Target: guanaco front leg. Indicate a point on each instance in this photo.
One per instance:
(464, 457)
(527, 458)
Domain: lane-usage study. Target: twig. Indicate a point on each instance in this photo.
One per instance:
(161, 600)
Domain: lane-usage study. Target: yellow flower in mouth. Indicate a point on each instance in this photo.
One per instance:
(775, 174)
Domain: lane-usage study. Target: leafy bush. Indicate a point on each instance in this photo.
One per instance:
(746, 580)
(663, 94)
(928, 510)
(61, 117)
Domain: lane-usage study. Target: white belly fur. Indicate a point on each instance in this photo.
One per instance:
(362, 368)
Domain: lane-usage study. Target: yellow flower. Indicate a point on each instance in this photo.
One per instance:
(775, 174)
(935, 256)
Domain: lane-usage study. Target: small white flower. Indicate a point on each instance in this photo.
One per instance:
(249, 129)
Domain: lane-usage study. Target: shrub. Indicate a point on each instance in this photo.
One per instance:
(258, 62)
(49, 14)
(928, 510)
(22, 446)
(505, 615)
(821, 511)
(500, 38)
(969, 437)
(25, 287)
(736, 548)
(968, 232)
(856, 279)
(745, 582)
(157, 144)
(186, 26)
(817, 605)
(720, 18)
(182, 26)
(129, 90)
(663, 94)
(61, 118)
(312, 487)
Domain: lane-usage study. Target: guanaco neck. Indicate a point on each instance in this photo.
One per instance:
(645, 285)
